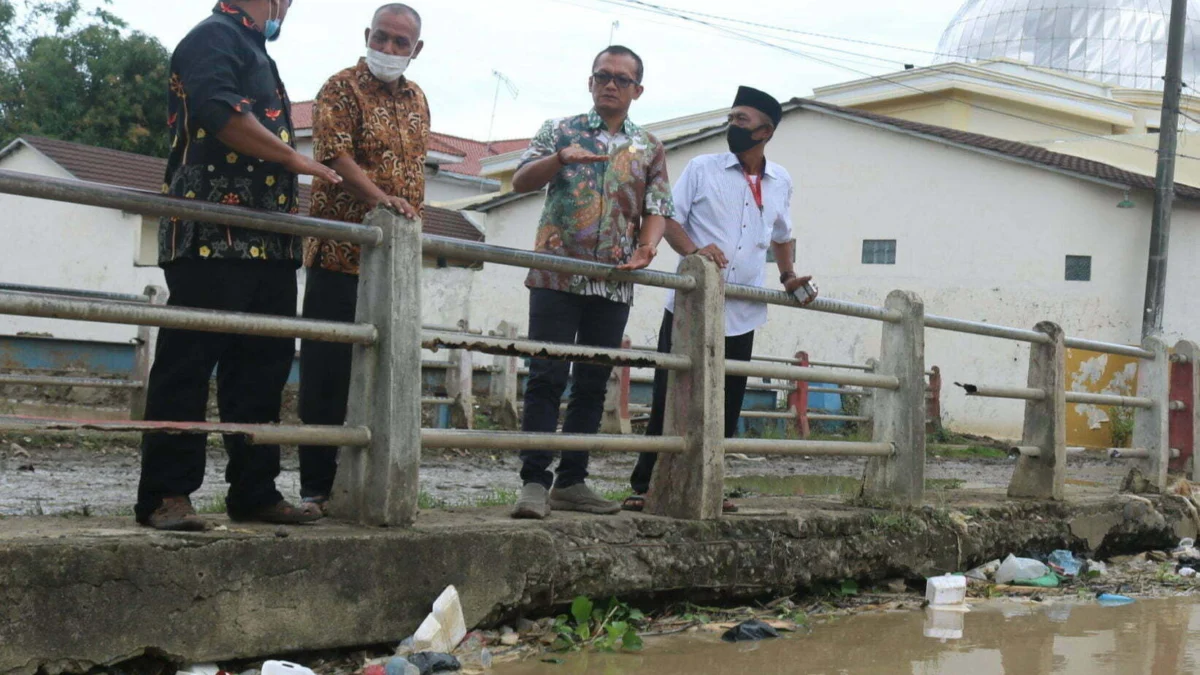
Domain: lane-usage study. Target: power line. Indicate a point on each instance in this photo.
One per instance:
(686, 15)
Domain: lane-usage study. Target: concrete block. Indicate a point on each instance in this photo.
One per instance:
(1151, 426)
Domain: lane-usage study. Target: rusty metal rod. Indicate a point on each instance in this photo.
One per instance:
(826, 306)
(65, 381)
(458, 249)
(74, 293)
(79, 309)
(257, 434)
(760, 446)
(1109, 399)
(152, 204)
(517, 440)
(751, 369)
(550, 350)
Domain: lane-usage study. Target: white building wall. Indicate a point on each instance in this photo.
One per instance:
(68, 246)
(978, 238)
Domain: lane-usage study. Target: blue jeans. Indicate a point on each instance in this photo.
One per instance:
(557, 316)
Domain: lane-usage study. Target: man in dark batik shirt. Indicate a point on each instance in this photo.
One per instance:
(232, 143)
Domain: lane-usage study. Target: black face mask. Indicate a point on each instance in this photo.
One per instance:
(740, 139)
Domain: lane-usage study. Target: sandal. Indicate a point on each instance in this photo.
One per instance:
(282, 513)
(727, 506)
(320, 501)
(636, 503)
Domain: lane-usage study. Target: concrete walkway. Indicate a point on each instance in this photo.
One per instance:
(81, 592)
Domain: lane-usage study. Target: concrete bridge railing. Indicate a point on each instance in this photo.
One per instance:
(377, 481)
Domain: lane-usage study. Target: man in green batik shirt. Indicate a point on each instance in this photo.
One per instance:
(607, 202)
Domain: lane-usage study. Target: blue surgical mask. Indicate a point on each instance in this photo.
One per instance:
(272, 28)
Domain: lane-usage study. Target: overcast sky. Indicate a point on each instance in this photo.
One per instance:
(545, 47)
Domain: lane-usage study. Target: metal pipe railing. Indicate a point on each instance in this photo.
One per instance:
(153, 204)
(550, 350)
(985, 329)
(752, 369)
(67, 381)
(518, 440)
(1109, 348)
(1032, 394)
(1109, 399)
(256, 434)
(769, 414)
(819, 417)
(459, 249)
(74, 293)
(760, 446)
(1020, 393)
(840, 307)
(79, 309)
(841, 391)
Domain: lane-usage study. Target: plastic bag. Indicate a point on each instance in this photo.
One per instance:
(1065, 563)
(749, 631)
(1020, 569)
(1113, 600)
(1047, 581)
(433, 662)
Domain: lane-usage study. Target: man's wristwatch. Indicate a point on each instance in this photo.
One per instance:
(786, 277)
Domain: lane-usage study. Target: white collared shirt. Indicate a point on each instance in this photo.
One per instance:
(714, 204)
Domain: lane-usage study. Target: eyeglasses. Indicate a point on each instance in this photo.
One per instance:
(622, 82)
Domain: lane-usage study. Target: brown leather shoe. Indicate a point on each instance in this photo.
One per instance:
(176, 514)
(281, 513)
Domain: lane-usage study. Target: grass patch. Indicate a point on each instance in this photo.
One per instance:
(211, 506)
(969, 452)
(497, 497)
(943, 483)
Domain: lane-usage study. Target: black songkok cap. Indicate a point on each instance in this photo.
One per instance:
(759, 100)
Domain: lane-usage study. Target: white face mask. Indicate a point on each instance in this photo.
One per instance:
(385, 66)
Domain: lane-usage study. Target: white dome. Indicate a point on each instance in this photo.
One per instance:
(1120, 42)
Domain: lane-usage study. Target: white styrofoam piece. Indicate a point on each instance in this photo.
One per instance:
(429, 637)
(943, 624)
(946, 590)
(447, 609)
(284, 668)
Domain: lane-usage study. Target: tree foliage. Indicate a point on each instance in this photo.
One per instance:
(78, 74)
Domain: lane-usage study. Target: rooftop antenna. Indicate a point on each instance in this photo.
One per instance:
(501, 79)
(616, 25)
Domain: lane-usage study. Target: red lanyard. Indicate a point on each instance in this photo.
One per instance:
(755, 188)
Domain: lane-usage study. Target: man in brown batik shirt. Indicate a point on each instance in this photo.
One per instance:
(370, 124)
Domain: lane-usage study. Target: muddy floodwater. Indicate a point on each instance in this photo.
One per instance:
(1011, 637)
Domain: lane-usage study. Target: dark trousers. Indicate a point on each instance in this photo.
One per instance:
(738, 348)
(251, 374)
(324, 374)
(556, 316)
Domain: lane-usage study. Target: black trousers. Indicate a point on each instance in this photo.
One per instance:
(738, 348)
(556, 316)
(251, 374)
(324, 374)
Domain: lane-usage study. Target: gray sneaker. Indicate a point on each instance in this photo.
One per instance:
(580, 497)
(534, 502)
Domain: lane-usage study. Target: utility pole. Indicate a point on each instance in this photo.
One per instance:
(1164, 180)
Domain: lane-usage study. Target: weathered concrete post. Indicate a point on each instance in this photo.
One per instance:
(377, 485)
(616, 418)
(866, 404)
(798, 399)
(899, 416)
(1185, 395)
(1151, 426)
(691, 485)
(504, 383)
(460, 384)
(143, 356)
(1044, 476)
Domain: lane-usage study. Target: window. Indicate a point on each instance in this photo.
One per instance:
(879, 252)
(1079, 268)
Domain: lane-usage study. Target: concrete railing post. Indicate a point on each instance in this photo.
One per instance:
(143, 357)
(1185, 395)
(616, 418)
(504, 384)
(899, 415)
(691, 485)
(1151, 426)
(1044, 476)
(797, 399)
(460, 384)
(377, 485)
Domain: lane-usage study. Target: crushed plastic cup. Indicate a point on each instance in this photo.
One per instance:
(1186, 542)
(1020, 569)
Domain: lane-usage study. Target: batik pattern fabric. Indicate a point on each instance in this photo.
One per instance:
(221, 69)
(385, 133)
(595, 211)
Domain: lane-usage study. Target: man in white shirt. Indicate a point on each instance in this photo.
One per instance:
(732, 208)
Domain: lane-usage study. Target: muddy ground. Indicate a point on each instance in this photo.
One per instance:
(88, 472)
